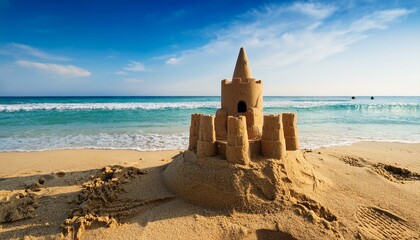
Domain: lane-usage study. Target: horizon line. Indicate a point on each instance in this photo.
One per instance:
(74, 96)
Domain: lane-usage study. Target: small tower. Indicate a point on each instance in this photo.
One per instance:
(237, 149)
(241, 97)
(206, 137)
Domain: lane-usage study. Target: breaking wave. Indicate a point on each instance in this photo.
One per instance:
(329, 105)
(105, 106)
(177, 141)
(134, 141)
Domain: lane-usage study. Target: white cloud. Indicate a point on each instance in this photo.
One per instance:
(134, 80)
(379, 19)
(276, 38)
(173, 61)
(19, 50)
(65, 70)
(121, 73)
(135, 67)
(314, 26)
(316, 10)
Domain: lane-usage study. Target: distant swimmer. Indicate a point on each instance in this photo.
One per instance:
(371, 98)
(353, 97)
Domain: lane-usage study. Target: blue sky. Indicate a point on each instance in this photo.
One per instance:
(168, 47)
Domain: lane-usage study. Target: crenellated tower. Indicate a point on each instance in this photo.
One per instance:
(240, 131)
(241, 97)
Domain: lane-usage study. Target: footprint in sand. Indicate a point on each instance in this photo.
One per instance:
(378, 223)
(395, 174)
(17, 206)
(352, 161)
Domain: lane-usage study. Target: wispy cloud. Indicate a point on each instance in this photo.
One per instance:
(135, 67)
(277, 36)
(121, 73)
(173, 61)
(379, 19)
(316, 10)
(133, 80)
(21, 50)
(64, 70)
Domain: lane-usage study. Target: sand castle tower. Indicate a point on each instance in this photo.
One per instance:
(241, 97)
(240, 131)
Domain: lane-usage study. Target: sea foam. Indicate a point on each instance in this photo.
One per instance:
(133, 141)
(209, 104)
(105, 106)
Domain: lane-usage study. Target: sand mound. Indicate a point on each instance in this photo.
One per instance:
(263, 186)
(17, 206)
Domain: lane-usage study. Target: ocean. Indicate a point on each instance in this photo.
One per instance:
(157, 123)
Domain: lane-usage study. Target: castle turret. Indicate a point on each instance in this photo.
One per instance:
(241, 97)
(273, 144)
(194, 131)
(206, 140)
(237, 149)
(290, 131)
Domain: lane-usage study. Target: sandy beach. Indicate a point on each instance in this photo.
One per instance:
(132, 120)
(369, 190)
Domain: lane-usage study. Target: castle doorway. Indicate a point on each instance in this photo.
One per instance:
(241, 107)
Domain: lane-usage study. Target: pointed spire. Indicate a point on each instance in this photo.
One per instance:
(242, 68)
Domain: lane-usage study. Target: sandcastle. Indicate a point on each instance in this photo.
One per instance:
(241, 159)
(240, 131)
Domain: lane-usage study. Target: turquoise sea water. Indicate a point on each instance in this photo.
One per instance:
(152, 123)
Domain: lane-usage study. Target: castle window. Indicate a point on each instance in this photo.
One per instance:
(241, 107)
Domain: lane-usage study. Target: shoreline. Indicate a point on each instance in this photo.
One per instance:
(62, 160)
(183, 149)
